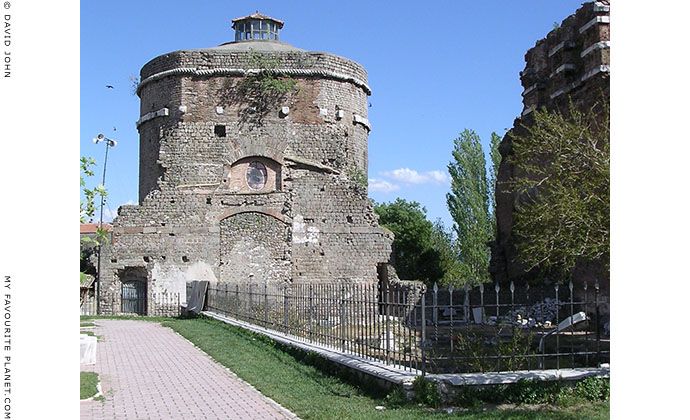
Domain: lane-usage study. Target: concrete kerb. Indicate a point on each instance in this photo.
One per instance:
(378, 370)
(398, 377)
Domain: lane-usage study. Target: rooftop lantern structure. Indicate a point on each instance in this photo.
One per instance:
(257, 26)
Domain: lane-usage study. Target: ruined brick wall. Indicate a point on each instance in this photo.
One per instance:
(198, 218)
(571, 64)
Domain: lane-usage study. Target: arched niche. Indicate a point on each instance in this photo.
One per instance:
(253, 175)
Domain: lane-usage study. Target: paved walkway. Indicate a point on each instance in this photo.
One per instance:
(149, 372)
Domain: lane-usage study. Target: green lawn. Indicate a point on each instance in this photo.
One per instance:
(312, 394)
(87, 384)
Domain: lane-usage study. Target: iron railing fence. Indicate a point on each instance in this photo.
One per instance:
(482, 329)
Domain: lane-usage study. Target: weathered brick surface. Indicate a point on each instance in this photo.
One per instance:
(197, 219)
(570, 64)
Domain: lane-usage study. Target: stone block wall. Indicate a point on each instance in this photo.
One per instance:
(197, 218)
(571, 64)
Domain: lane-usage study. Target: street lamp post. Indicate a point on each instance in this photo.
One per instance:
(108, 143)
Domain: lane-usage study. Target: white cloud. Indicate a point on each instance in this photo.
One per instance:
(109, 214)
(410, 176)
(380, 185)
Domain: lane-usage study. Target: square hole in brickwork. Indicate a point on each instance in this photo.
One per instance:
(185, 259)
(208, 199)
(219, 130)
(147, 259)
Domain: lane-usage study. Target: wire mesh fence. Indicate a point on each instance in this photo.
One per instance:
(406, 325)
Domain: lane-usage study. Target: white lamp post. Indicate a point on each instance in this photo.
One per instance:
(108, 143)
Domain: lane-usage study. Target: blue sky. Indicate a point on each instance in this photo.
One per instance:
(434, 71)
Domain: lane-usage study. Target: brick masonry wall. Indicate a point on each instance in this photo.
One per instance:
(571, 63)
(198, 220)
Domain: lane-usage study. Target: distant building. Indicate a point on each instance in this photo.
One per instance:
(243, 182)
(87, 248)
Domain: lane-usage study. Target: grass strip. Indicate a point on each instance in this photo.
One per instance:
(312, 394)
(88, 382)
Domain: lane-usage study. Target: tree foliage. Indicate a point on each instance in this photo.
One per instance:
(414, 255)
(87, 204)
(468, 202)
(495, 156)
(562, 181)
(261, 90)
(445, 244)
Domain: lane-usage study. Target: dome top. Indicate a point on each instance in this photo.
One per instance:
(257, 26)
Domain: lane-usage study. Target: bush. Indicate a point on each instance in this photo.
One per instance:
(593, 389)
(530, 391)
(396, 398)
(425, 392)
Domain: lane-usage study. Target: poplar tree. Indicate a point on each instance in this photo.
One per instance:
(495, 156)
(468, 204)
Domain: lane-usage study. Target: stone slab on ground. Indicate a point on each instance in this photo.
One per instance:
(149, 372)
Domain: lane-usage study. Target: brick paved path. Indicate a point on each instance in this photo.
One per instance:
(150, 372)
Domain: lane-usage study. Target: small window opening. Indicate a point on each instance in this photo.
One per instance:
(256, 175)
(219, 130)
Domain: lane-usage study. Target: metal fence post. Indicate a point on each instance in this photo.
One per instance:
(423, 332)
(512, 322)
(558, 343)
(342, 317)
(237, 300)
(434, 304)
(311, 310)
(250, 309)
(266, 305)
(285, 310)
(388, 325)
(596, 302)
(450, 312)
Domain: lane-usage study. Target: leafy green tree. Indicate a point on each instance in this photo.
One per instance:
(444, 242)
(468, 203)
(562, 181)
(87, 204)
(414, 256)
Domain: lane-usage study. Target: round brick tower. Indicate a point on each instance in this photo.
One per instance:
(253, 167)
